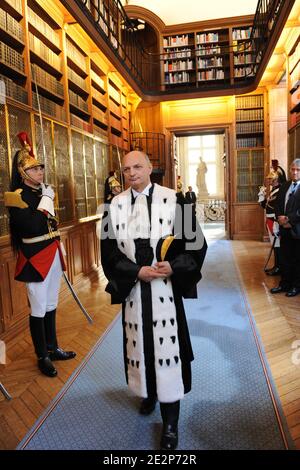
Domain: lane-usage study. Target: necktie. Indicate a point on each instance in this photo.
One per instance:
(293, 189)
(140, 224)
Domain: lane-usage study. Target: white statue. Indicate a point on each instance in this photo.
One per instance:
(201, 183)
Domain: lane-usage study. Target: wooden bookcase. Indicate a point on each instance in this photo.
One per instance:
(12, 51)
(243, 53)
(293, 82)
(250, 164)
(85, 109)
(208, 56)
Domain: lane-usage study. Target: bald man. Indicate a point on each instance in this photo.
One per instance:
(150, 284)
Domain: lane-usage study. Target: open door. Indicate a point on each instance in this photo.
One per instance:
(227, 186)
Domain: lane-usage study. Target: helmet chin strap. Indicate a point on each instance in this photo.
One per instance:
(25, 176)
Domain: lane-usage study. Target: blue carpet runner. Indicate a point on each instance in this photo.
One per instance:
(231, 405)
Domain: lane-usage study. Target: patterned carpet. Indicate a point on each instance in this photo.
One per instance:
(230, 406)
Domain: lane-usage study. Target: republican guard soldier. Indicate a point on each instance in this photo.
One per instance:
(36, 240)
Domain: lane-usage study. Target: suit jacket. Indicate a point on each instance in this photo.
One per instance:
(34, 259)
(190, 196)
(291, 210)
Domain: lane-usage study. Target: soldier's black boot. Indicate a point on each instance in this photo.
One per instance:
(55, 353)
(148, 405)
(170, 416)
(37, 330)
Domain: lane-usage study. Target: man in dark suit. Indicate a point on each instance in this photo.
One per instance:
(287, 212)
(190, 197)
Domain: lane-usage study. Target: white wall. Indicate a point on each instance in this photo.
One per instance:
(278, 124)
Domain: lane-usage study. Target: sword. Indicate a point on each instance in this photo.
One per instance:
(89, 319)
(45, 161)
(269, 256)
(120, 167)
(40, 116)
(5, 392)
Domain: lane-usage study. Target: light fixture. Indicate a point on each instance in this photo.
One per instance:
(140, 24)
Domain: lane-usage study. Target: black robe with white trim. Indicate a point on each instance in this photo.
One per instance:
(157, 348)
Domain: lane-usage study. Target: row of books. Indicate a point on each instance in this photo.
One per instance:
(251, 101)
(46, 80)
(249, 114)
(179, 40)
(12, 26)
(210, 74)
(43, 27)
(11, 57)
(249, 142)
(250, 127)
(10, 89)
(43, 51)
(178, 65)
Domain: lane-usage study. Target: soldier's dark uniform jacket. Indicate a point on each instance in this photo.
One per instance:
(34, 259)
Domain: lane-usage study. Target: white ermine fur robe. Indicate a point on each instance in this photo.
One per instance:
(131, 222)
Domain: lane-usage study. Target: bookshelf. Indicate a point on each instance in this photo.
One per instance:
(79, 175)
(212, 52)
(90, 176)
(243, 53)
(99, 100)
(293, 84)
(12, 51)
(4, 172)
(77, 65)
(63, 173)
(115, 113)
(179, 59)
(207, 56)
(249, 121)
(84, 107)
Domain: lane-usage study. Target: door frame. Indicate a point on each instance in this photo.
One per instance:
(186, 131)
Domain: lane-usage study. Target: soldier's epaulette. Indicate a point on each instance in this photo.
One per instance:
(14, 199)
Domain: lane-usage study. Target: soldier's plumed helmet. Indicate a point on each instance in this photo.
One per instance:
(26, 159)
(114, 183)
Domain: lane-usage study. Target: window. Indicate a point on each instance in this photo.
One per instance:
(205, 146)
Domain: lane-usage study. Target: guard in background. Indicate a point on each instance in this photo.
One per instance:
(107, 186)
(275, 178)
(36, 240)
(114, 189)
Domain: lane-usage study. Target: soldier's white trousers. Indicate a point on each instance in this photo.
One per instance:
(43, 296)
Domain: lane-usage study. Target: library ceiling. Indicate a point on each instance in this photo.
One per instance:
(178, 11)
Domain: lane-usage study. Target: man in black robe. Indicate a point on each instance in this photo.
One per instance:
(152, 251)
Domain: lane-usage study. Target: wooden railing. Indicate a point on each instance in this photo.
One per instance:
(146, 70)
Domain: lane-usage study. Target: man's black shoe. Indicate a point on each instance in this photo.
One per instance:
(148, 406)
(46, 367)
(278, 289)
(169, 437)
(274, 272)
(61, 355)
(292, 292)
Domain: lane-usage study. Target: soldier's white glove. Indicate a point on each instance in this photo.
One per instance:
(46, 203)
(47, 191)
(276, 229)
(262, 193)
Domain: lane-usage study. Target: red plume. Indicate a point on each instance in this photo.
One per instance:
(24, 139)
